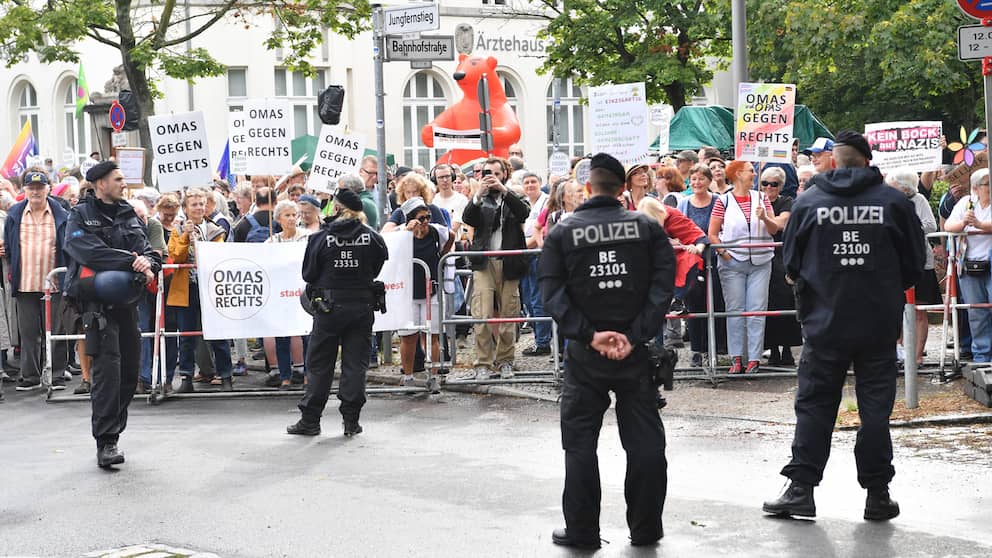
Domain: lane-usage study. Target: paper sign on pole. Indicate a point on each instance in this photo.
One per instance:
(337, 154)
(131, 161)
(251, 290)
(182, 157)
(765, 114)
(69, 157)
(397, 274)
(559, 164)
(266, 136)
(661, 116)
(119, 139)
(618, 117)
(238, 142)
(911, 145)
(445, 138)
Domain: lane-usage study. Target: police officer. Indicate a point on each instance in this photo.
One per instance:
(607, 277)
(104, 237)
(852, 246)
(341, 262)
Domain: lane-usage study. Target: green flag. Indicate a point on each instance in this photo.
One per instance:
(82, 91)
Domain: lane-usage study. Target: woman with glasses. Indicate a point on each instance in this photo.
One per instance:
(973, 213)
(744, 216)
(781, 332)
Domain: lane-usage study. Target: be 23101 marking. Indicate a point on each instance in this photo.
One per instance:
(608, 266)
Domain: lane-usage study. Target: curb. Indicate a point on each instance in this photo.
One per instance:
(951, 420)
(393, 379)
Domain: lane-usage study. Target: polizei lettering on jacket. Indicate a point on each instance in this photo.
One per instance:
(853, 215)
(361, 240)
(606, 232)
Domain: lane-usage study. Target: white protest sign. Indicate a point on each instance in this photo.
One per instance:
(911, 145)
(182, 157)
(131, 161)
(618, 118)
(445, 138)
(582, 171)
(397, 274)
(237, 142)
(266, 134)
(661, 116)
(337, 153)
(559, 164)
(86, 165)
(251, 290)
(765, 114)
(69, 157)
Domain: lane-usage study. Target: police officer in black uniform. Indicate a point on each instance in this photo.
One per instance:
(607, 277)
(852, 246)
(103, 238)
(341, 263)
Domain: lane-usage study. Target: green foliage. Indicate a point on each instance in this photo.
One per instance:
(858, 61)
(939, 189)
(669, 45)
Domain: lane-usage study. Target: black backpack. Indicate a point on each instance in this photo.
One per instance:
(329, 104)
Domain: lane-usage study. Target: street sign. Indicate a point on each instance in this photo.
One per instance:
(118, 139)
(433, 47)
(117, 116)
(974, 42)
(977, 9)
(421, 64)
(410, 19)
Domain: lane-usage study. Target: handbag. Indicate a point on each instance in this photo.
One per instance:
(977, 267)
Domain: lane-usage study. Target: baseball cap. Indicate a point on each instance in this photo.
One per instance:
(35, 178)
(820, 145)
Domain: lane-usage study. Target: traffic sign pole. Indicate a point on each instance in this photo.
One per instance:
(987, 78)
(380, 110)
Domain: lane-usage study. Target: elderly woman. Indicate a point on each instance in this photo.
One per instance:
(413, 185)
(719, 169)
(309, 213)
(805, 174)
(973, 213)
(927, 289)
(781, 332)
(668, 184)
(744, 216)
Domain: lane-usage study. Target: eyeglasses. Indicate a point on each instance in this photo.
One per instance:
(368, 172)
(442, 176)
(477, 171)
(767, 184)
(423, 218)
(516, 153)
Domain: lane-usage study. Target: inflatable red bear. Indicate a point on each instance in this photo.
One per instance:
(464, 115)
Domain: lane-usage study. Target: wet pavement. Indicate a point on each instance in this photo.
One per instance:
(445, 475)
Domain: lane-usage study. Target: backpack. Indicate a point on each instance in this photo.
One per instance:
(258, 233)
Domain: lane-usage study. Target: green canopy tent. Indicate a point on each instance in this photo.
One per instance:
(307, 145)
(694, 127)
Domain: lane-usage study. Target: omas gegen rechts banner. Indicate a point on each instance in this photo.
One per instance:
(251, 290)
(765, 114)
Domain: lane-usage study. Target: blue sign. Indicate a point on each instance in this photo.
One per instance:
(117, 116)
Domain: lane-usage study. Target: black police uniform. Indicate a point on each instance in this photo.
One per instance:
(102, 237)
(608, 269)
(341, 262)
(852, 246)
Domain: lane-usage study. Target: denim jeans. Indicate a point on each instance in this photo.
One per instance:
(534, 304)
(284, 356)
(745, 289)
(978, 290)
(189, 320)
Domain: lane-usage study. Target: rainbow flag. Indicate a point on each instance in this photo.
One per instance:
(82, 91)
(17, 159)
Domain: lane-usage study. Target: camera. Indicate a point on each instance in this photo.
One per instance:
(487, 172)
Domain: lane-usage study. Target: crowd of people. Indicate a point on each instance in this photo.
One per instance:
(699, 197)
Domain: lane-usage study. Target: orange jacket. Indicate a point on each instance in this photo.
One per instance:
(179, 244)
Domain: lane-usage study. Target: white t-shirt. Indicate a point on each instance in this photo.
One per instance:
(979, 246)
(455, 204)
(535, 210)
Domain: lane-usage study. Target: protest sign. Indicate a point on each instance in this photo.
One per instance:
(911, 145)
(962, 173)
(131, 161)
(237, 142)
(337, 153)
(559, 164)
(397, 274)
(618, 117)
(445, 138)
(765, 114)
(251, 290)
(262, 134)
(661, 116)
(182, 157)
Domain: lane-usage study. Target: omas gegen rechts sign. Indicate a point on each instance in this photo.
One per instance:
(181, 154)
(238, 288)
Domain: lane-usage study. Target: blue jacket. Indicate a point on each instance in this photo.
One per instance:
(12, 239)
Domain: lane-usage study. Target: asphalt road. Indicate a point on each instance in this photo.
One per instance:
(449, 475)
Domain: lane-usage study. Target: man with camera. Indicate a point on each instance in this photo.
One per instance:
(497, 214)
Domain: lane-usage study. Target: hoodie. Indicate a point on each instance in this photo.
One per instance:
(344, 255)
(853, 246)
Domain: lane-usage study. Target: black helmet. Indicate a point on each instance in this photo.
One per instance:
(119, 288)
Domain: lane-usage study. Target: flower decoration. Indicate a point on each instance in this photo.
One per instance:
(966, 148)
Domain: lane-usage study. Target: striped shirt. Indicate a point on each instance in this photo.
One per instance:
(719, 210)
(37, 248)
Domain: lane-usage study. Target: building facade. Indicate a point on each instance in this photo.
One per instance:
(45, 93)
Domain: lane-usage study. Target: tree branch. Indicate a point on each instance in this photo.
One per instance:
(163, 23)
(100, 39)
(226, 7)
(625, 54)
(107, 29)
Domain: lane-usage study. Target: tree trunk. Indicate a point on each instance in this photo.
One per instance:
(138, 81)
(676, 95)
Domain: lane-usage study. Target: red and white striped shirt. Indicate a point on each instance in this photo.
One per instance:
(719, 210)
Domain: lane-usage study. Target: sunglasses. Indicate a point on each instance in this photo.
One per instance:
(423, 218)
(767, 184)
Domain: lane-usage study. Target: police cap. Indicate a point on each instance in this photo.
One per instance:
(100, 170)
(608, 163)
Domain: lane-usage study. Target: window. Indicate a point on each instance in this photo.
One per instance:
(76, 132)
(423, 100)
(27, 109)
(510, 87)
(494, 2)
(302, 93)
(237, 82)
(571, 124)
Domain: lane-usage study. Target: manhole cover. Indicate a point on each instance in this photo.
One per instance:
(150, 550)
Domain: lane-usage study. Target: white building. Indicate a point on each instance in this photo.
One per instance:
(45, 93)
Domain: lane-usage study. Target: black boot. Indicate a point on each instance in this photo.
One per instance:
(304, 428)
(186, 386)
(797, 499)
(879, 506)
(351, 427)
(561, 537)
(226, 384)
(109, 455)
